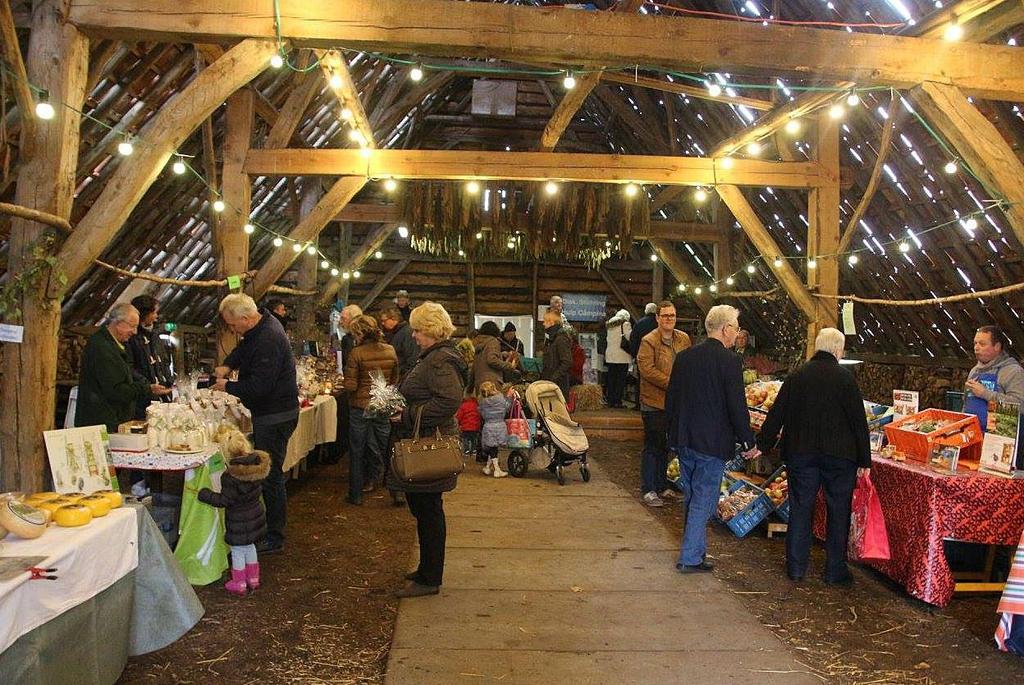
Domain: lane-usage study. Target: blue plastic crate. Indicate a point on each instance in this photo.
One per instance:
(755, 512)
(782, 511)
(737, 463)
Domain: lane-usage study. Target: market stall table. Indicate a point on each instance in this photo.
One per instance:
(923, 508)
(117, 592)
(318, 424)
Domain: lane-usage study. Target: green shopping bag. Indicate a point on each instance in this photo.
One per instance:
(201, 549)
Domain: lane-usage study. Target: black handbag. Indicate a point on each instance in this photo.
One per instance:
(623, 340)
(421, 460)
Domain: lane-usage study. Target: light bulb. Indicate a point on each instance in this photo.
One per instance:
(700, 195)
(754, 148)
(681, 287)
(278, 242)
(44, 110)
(311, 250)
(713, 288)
(390, 185)
(249, 229)
(462, 253)
(654, 257)
(777, 262)
(356, 136)
(346, 275)
(793, 127)
(953, 32)
(178, 167)
(346, 114)
(812, 263)
(698, 290)
(853, 99)
(378, 254)
(607, 243)
(730, 280)
(218, 205)
(125, 148)
(971, 224)
(511, 244)
(950, 167)
(296, 247)
(479, 235)
(569, 82)
(416, 73)
(751, 269)
(403, 232)
(472, 187)
(550, 187)
(276, 61)
(904, 247)
(836, 111)
(356, 273)
(365, 153)
(632, 189)
(324, 264)
(335, 81)
(714, 90)
(334, 272)
(852, 259)
(728, 162)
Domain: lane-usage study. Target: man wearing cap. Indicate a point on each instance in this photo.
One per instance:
(403, 304)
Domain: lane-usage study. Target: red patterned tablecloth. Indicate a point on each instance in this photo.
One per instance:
(923, 507)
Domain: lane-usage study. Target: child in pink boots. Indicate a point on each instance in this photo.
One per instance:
(244, 518)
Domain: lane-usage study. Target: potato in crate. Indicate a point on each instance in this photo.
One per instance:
(743, 507)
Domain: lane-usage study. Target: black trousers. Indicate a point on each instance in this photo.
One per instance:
(616, 383)
(273, 439)
(428, 509)
(838, 477)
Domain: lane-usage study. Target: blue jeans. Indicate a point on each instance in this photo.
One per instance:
(273, 439)
(701, 478)
(654, 461)
(368, 441)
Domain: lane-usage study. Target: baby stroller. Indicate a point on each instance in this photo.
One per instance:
(558, 438)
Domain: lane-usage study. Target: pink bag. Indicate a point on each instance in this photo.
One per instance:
(868, 537)
(517, 426)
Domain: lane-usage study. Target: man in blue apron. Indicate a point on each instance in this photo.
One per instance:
(997, 376)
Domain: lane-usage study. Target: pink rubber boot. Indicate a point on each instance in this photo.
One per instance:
(236, 585)
(252, 575)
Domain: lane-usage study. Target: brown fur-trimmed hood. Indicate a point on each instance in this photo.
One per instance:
(250, 467)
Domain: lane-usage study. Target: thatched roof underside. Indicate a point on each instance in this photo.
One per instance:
(169, 232)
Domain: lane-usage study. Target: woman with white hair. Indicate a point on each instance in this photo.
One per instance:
(824, 443)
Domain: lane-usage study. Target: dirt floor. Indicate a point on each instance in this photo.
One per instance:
(325, 613)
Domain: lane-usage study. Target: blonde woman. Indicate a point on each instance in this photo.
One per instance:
(435, 386)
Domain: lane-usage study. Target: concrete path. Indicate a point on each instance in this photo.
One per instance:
(574, 584)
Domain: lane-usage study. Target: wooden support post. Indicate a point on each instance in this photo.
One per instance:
(765, 244)
(681, 272)
(353, 260)
(823, 230)
(979, 143)
(723, 245)
(658, 282)
(11, 54)
(343, 286)
(534, 282)
(58, 58)
(471, 292)
(230, 242)
(384, 282)
(343, 190)
(627, 304)
(305, 325)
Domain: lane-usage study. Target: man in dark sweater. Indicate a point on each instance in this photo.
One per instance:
(266, 386)
(398, 334)
(707, 415)
(557, 366)
(647, 323)
(824, 442)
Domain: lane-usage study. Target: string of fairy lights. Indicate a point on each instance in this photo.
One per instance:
(847, 98)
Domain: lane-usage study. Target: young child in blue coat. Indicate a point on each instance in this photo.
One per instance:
(493, 436)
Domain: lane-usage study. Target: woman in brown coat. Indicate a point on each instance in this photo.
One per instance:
(488, 364)
(433, 389)
(368, 435)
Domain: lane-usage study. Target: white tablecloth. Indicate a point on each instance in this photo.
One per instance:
(318, 424)
(159, 460)
(88, 560)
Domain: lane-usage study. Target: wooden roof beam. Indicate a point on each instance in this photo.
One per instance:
(383, 282)
(370, 245)
(339, 79)
(11, 54)
(688, 91)
(623, 298)
(264, 108)
(532, 166)
(294, 108)
(597, 39)
(681, 271)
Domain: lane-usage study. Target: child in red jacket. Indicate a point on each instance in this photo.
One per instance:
(468, 416)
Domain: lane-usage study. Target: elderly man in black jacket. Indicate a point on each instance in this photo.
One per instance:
(707, 415)
(557, 366)
(266, 386)
(824, 442)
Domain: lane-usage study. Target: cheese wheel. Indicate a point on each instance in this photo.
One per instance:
(39, 497)
(113, 496)
(52, 505)
(98, 504)
(75, 496)
(21, 519)
(71, 515)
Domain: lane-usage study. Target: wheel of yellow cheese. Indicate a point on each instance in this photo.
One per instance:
(98, 505)
(39, 497)
(113, 497)
(74, 496)
(21, 519)
(71, 515)
(52, 505)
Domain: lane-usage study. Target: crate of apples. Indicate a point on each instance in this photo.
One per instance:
(777, 489)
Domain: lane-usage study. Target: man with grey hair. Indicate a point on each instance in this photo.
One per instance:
(706, 412)
(266, 386)
(647, 323)
(107, 390)
(820, 413)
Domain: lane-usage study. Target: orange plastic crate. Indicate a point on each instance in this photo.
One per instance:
(964, 431)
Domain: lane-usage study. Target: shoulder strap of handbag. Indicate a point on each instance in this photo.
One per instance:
(419, 418)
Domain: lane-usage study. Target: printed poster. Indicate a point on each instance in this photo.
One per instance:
(80, 459)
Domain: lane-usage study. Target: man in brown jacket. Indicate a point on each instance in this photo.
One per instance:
(557, 353)
(657, 352)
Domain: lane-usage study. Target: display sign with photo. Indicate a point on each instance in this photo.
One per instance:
(905, 402)
(1003, 448)
(79, 459)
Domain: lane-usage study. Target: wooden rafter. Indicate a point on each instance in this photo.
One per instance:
(597, 39)
(307, 84)
(681, 271)
(532, 166)
(682, 89)
(339, 79)
(623, 298)
(372, 243)
(11, 54)
(383, 282)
